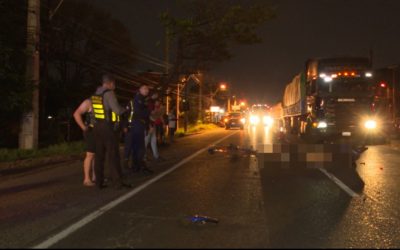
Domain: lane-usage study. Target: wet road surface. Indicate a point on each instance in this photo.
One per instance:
(305, 209)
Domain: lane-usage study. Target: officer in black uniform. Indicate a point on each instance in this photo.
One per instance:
(106, 111)
(127, 126)
(139, 126)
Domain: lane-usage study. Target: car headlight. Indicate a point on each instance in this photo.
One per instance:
(268, 120)
(226, 120)
(322, 124)
(370, 124)
(254, 120)
(243, 120)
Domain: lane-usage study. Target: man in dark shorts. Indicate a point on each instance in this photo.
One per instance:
(85, 109)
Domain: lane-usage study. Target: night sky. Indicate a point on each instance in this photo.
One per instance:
(302, 29)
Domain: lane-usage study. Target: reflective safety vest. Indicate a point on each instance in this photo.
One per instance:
(99, 112)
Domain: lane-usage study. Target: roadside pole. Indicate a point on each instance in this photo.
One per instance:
(29, 133)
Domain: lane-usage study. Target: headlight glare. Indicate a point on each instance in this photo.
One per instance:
(254, 120)
(370, 124)
(322, 124)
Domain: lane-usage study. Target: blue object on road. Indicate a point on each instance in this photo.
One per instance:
(203, 219)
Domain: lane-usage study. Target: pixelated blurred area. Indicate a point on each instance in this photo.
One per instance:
(301, 156)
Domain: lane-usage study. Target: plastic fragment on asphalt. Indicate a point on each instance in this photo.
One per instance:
(201, 219)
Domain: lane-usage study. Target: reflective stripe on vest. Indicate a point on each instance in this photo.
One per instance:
(99, 111)
(132, 111)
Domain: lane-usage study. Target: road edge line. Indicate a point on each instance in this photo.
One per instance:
(92, 216)
(338, 182)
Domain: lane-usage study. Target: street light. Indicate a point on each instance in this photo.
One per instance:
(222, 86)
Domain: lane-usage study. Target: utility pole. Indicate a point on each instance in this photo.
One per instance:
(177, 106)
(186, 120)
(28, 137)
(394, 90)
(179, 61)
(167, 42)
(200, 78)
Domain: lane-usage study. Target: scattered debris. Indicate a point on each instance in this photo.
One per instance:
(232, 149)
(201, 219)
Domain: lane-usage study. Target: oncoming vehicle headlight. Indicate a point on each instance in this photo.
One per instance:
(322, 124)
(268, 120)
(243, 120)
(370, 124)
(254, 119)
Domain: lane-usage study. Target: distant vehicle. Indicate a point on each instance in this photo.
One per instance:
(260, 115)
(234, 120)
(331, 98)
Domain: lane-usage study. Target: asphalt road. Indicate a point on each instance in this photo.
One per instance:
(305, 209)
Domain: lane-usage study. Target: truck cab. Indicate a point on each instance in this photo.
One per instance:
(339, 99)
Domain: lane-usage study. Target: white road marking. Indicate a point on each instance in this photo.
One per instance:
(87, 219)
(340, 183)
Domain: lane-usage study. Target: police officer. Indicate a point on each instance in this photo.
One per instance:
(106, 112)
(126, 125)
(139, 126)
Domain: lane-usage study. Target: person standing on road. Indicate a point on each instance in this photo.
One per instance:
(171, 125)
(151, 136)
(139, 127)
(85, 109)
(107, 110)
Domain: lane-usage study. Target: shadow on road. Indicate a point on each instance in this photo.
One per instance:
(302, 208)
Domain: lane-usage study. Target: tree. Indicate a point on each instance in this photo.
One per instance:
(79, 44)
(209, 29)
(83, 42)
(15, 93)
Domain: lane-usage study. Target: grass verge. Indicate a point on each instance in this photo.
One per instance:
(196, 128)
(72, 148)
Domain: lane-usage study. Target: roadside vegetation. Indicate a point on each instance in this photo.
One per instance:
(65, 149)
